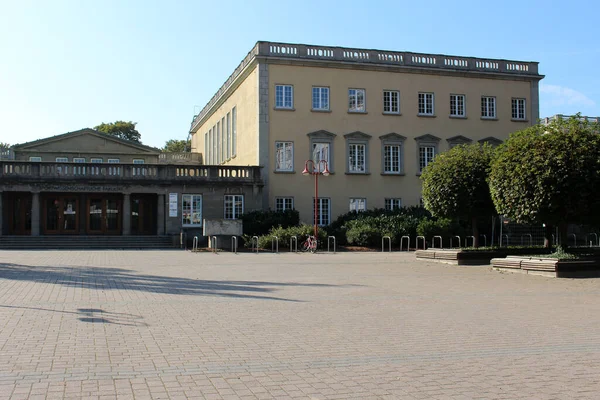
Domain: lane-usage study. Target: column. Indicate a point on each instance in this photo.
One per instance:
(160, 215)
(35, 214)
(126, 214)
(1, 213)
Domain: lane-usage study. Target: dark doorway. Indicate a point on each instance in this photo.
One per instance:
(143, 214)
(103, 215)
(60, 214)
(19, 213)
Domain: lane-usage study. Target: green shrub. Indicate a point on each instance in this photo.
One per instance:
(260, 222)
(285, 234)
(369, 231)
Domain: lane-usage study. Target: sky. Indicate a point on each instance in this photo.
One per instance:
(68, 65)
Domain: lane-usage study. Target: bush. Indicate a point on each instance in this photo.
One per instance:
(259, 222)
(285, 234)
(443, 227)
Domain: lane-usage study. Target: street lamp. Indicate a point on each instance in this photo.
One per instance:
(316, 171)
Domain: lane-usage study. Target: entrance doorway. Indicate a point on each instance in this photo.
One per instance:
(103, 215)
(143, 214)
(19, 213)
(60, 214)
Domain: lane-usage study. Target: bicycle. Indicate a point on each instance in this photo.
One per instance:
(310, 244)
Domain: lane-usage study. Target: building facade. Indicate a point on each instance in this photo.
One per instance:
(90, 183)
(377, 118)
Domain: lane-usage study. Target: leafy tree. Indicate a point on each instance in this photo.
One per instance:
(177, 146)
(455, 185)
(121, 129)
(549, 174)
(4, 146)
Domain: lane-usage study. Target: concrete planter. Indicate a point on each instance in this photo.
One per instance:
(462, 257)
(549, 267)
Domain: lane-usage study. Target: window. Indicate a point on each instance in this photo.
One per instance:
(356, 100)
(78, 160)
(393, 204)
(457, 105)
(321, 148)
(114, 160)
(233, 132)
(228, 136)
(358, 204)
(96, 160)
(205, 155)
(323, 210)
(518, 109)
(391, 158)
(425, 103)
(35, 159)
(138, 161)
(356, 158)
(284, 204)
(284, 156)
(427, 146)
(284, 96)
(209, 150)
(62, 159)
(223, 141)
(391, 102)
(234, 206)
(320, 152)
(488, 107)
(191, 210)
(218, 144)
(320, 98)
(214, 147)
(426, 154)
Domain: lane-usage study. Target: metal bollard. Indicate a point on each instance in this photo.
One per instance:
(383, 243)
(433, 242)
(407, 242)
(424, 242)
(234, 244)
(328, 240)
(252, 244)
(294, 240)
(214, 243)
(195, 244)
(275, 241)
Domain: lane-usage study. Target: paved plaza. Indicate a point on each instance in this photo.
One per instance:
(177, 325)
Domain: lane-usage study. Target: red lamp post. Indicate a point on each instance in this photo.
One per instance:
(316, 171)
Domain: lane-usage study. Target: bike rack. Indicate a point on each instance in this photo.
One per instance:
(484, 240)
(407, 243)
(452, 237)
(274, 244)
(383, 243)
(328, 241)
(254, 238)
(467, 241)
(195, 245)
(294, 240)
(596, 235)
(507, 240)
(214, 243)
(574, 239)
(530, 239)
(182, 239)
(234, 244)
(424, 242)
(433, 242)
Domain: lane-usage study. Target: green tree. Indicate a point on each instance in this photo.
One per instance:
(121, 129)
(4, 146)
(177, 146)
(549, 174)
(455, 185)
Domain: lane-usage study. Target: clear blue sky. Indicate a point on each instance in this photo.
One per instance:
(66, 65)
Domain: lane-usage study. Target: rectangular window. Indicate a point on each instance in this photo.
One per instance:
(284, 156)
(393, 204)
(488, 107)
(356, 158)
(358, 204)
(223, 141)
(78, 160)
(233, 132)
(205, 155)
(234, 206)
(62, 159)
(228, 136)
(320, 152)
(35, 159)
(391, 159)
(214, 148)
(138, 161)
(323, 210)
(284, 96)
(284, 204)
(356, 100)
(320, 98)
(391, 102)
(457, 105)
(425, 103)
(114, 161)
(96, 160)
(518, 109)
(191, 210)
(219, 143)
(426, 154)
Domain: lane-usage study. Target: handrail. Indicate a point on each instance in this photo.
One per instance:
(424, 242)
(484, 240)
(252, 244)
(274, 241)
(530, 239)
(234, 244)
(294, 240)
(433, 242)
(328, 239)
(383, 243)
(407, 244)
(195, 244)
(214, 240)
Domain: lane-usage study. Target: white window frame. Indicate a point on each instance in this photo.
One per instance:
(61, 159)
(392, 204)
(233, 132)
(281, 162)
(284, 97)
(321, 105)
(96, 160)
(233, 200)
(35, 159)
(80, 160)
(284, 203)
(228, 135)
(322, 219)
(392, 168)
(353, 103)
(519, 106)
(388, 103)
(354, 164)
(425, 98)
(138, 161)
(488, 107)
(114, 161)
(424, 157)
(191, 210)
(358, 204)
(458, 105)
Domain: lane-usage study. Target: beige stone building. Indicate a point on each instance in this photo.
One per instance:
(377, 117)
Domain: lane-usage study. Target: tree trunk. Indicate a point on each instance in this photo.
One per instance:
(475, 232)
(548, 232)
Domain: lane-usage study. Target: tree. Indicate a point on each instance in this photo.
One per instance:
(177, 146)
(121, 129)
(455, 185)
(550, 175)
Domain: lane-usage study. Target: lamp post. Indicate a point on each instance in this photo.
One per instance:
(316, 171)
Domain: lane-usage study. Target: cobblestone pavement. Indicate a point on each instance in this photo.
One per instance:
(171, 324)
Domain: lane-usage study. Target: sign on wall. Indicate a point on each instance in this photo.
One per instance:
(172, 204)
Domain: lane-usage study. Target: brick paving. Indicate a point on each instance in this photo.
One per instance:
(176, 325)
